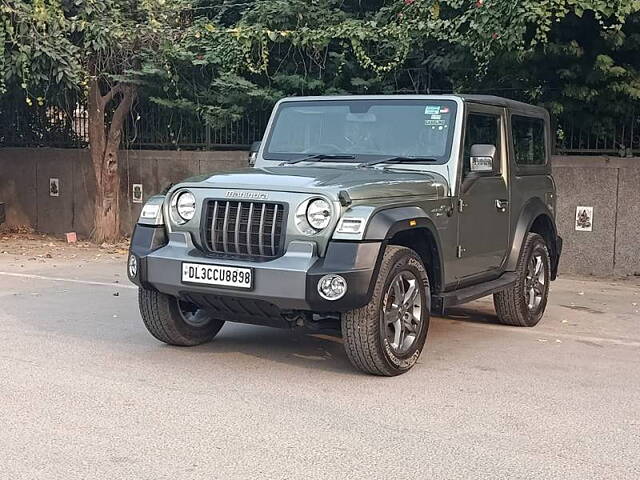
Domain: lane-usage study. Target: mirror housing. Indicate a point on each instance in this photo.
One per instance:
(482, 158)
(253, 153)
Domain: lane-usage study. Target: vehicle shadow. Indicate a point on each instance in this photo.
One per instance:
(475, 312)
(298, 347)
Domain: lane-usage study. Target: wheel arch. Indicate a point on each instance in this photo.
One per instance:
(410, 227)
(535, 218)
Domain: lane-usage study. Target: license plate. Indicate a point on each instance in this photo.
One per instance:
(217, 275)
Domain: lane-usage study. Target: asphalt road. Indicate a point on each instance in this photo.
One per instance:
(86, 392)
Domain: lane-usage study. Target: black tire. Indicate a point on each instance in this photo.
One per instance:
(165, 318)
(365, 331)
(513, 305)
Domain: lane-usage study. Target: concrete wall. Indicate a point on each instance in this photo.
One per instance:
(25, 174)
(610, 185)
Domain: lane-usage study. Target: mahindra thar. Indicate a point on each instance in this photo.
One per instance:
(362, 213)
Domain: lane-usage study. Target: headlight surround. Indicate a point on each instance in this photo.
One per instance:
(319, 214)
(183, 206)
(313, 216)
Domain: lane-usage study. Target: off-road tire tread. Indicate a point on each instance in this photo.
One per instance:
(361, 336)
(509, 303)
(160, 320)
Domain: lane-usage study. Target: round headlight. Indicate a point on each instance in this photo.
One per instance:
(186, 205)
(319, 213)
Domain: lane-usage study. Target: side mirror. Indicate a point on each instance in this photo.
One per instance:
(253, 153)
(482, 158)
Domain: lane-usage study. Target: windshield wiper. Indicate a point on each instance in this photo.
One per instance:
(397, 159)
(320, 157)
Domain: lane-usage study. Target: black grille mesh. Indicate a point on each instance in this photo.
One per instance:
(244, 228)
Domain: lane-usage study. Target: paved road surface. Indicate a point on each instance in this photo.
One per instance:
(85, 392)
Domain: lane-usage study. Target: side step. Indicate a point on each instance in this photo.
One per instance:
(440, 302)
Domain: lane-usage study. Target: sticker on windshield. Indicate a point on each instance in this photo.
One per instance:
(432, 110)
(435, 123)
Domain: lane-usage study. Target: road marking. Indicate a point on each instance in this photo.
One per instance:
(68, 280)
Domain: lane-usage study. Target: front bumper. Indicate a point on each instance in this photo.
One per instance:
(288, 283)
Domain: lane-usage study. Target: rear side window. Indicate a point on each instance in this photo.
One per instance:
(529, 140)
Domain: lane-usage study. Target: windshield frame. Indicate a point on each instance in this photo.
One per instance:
(399, 100)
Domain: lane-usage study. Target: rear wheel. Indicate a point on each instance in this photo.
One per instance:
(523, 304)
(175, 322)
(386, 336)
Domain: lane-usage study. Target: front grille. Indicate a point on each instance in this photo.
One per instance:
(244, 228)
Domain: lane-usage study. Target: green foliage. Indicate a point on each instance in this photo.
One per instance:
(238, 55)
(53, 46)
(220, 58)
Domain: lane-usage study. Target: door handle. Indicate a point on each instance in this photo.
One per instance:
(502, 205)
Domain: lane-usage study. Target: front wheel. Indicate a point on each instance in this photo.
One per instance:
(386, 336)
(175, 322)
(523, 304)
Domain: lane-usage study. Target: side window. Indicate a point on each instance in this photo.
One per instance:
(528, 140)
(481, 129)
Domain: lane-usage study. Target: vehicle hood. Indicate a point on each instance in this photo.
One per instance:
(360, 183)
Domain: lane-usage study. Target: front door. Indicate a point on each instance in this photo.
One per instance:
(483, 206)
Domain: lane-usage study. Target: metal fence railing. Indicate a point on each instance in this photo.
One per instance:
(621, 138)
(151, 126)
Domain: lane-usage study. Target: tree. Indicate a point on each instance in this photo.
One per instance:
(238, 54)
(86, 49)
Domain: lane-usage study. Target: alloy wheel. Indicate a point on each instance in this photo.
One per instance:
(402, 312)
(534, 283)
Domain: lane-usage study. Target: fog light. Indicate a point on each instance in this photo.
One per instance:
(332, 287)
(133, 266)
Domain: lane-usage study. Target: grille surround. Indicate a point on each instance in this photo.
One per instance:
(248, 229)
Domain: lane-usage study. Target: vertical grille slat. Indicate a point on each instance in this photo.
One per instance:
(244, 228)
(236, 236)
(225, 229)
(273, 230)
(214, 219)
(260, 231)
(249, 220)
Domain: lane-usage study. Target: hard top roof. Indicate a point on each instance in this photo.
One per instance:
(502, 102)
(481, 99)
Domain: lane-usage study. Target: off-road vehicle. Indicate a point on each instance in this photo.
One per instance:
(367, 213)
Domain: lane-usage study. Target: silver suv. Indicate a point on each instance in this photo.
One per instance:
(362, 213)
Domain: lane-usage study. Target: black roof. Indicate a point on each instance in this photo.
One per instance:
(506, 103)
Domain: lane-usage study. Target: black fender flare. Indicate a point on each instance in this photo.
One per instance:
(533, 209)
(386, 223)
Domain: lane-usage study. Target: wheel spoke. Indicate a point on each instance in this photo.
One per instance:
(397, 333)
(411, 294)
(538, 266)
(401, 336)
(532, 298)
(398, 291)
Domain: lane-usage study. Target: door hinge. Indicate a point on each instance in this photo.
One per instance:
(460, 251)
(461, 205)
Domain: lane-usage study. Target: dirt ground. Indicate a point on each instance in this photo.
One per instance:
(34, 247)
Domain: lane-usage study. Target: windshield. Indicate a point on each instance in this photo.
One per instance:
(363, 129)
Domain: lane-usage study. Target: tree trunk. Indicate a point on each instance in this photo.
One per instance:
(104, 143)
